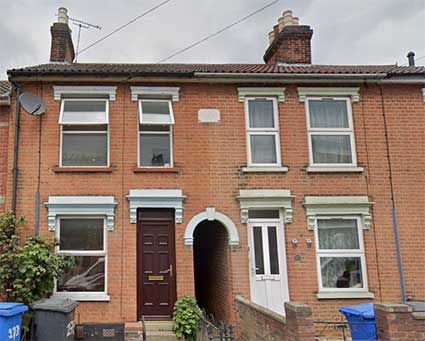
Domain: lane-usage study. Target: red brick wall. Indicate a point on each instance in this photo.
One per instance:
(397, 322)
(257, 323)
(209, 160)
(4, 128)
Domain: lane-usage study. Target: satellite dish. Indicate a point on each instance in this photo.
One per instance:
(32, 104)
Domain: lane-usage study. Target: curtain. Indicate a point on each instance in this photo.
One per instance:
(263, 148)
(338, 234)
(328, 114)
(261, 114)
(331, 148)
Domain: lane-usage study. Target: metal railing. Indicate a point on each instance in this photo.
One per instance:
(212, 329)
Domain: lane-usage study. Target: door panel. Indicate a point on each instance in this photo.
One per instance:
(156, 288)
(268, 276)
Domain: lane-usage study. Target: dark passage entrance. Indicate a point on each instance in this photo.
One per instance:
(212, 269)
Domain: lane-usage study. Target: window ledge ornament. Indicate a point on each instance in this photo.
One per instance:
(81, 205)
(211, 214)
(155, 92)
(338, 205)
(60, 91)
(156, 198)
(261, 92)
(353, 93)
(265, 199)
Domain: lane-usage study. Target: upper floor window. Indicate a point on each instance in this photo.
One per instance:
(155, 133)
(262, 126)
(330, 131)
(84, 132)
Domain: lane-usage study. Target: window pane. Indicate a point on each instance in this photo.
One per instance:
(338, 234)
(154, 150)
(155, 112)
(274, 255)
(88, 274)
(331, 148)
(328, 114)
(147, 127)
(263, 214)
(263, 148)
(84, 112)
(261, 113)
(341, 272)
(85, 150)
(81, 234)
(258, 251)
(92, 127)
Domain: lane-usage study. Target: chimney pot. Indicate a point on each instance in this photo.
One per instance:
(290, 43)
(63, 15)
(411, 58)
(271, 37)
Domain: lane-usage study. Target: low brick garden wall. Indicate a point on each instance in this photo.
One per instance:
(258, 323)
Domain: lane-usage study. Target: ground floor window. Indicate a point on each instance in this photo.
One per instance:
(85, 239)
(340, 254)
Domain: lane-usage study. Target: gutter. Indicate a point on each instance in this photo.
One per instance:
(15, 171)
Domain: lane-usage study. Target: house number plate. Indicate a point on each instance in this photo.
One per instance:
(155, 278)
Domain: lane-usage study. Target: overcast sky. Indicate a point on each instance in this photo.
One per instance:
(345, 31)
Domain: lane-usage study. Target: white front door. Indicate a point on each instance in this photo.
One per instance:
(268, 272)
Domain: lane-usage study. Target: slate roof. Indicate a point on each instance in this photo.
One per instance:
(5, 87)
(187, 70)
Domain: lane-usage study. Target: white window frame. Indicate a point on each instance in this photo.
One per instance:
(146, 124)
(263, 131)
(62, 132)
(331, 131)
(84, 295)
(170, 108)
(341, 253)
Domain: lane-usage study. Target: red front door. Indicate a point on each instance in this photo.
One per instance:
(156, 284)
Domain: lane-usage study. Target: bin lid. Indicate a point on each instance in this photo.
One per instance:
(365, 310)
(54, 303)
(10, 308)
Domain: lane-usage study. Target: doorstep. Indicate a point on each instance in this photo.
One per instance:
(133, 331)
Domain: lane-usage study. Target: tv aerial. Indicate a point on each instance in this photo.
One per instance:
(32, 104)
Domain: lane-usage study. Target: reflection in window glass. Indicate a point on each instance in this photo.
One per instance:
(274, 255)
(84, 149)
(154, 150)
(88, 274)
(81, 234)
(341, 272)
(258, 250)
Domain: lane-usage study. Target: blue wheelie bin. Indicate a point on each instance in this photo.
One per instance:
(361, 319)
(11, 320)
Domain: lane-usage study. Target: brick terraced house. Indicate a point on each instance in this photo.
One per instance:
(283, 181)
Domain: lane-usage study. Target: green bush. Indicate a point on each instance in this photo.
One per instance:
(185, 318)
(27, 268)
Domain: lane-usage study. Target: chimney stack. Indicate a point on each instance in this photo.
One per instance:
(290, 42)
(62, 48)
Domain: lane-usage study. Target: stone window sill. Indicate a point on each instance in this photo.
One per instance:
(348, 169)
(84, 296)
(82, 169)
(254, 169)
(155, 170)
(331, 295)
